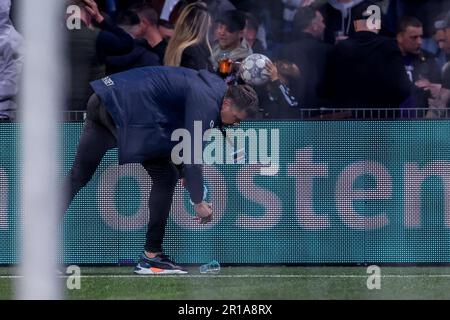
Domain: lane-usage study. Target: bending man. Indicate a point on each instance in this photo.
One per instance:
(137, 111)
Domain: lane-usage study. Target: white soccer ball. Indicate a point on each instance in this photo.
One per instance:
(253, 70)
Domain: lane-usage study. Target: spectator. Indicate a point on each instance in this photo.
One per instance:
(290, 7)
(229, 33)
(168, 17)
(276, 100)
(88, 48)
(440, 102)
(339, 19)
(446, 46)
(425, 11)
(442, 54)
(140, 56)
(419, 64)
(446, 42)
(149, 29)
(168, 12)
(366, 70)
(10, 64)
(250, 34)
(271, 17)
(189, 46)
(442, 99)
(309, 53)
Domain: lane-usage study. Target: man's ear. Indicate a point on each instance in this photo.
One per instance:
(241, 34)
(144, 25)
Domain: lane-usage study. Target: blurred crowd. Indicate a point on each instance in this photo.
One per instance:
(326, 55)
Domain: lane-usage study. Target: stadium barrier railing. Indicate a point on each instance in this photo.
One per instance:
(321, 114)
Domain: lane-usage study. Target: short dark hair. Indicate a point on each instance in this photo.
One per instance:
(406, 22)
(304, 18)
(234, 20)
(128, 18)
(244, 98)
(146, 11)
(252, 22)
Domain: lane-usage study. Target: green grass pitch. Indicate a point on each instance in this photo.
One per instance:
(237, 283)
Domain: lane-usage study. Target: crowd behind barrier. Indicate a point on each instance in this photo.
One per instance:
(337, 54)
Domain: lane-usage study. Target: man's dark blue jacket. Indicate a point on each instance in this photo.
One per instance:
(148, 104)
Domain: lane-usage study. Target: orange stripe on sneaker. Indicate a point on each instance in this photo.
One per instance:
(156, 270)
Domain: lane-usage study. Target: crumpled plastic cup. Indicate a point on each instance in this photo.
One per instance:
(212, 267)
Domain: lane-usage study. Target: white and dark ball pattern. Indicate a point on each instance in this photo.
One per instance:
(253, 69)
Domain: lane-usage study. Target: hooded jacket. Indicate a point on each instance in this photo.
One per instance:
(366, 71)
(310, 55)
(148, 104)
(10, 61)
(338, 17)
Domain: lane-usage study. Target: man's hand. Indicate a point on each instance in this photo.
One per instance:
(433, 88)
(441, 101)
(273, 71)
(92, 8)
(204, 212)
(436, 103)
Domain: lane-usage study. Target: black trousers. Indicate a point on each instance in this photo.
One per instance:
(99, 136)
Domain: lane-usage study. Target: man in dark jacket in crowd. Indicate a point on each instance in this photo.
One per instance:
(140, 56)
(308, 52)
(419, 64)
(366, 71)
(149, 29)
(87, 49)
(339, 16)
(138, 111)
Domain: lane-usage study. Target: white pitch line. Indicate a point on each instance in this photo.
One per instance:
(245, 276)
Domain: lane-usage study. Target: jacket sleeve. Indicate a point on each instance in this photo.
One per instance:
(281, 93)
(397, 78)
(9, 85)
(199, 112)
(113, 41)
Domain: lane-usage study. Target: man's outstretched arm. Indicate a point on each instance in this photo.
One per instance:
(198, 113)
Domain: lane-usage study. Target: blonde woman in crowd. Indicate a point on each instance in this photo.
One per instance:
(189, 46)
